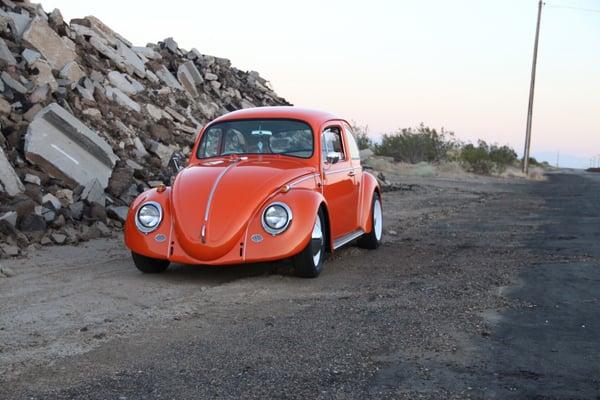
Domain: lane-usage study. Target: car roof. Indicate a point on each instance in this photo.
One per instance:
(303, 114)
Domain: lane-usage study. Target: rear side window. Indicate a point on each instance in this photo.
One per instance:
(352, 146)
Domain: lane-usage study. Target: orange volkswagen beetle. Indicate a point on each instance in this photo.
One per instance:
(262, 184)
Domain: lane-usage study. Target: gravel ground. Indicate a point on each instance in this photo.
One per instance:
(458, 302)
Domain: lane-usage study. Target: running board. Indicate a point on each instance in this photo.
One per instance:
(347, 238)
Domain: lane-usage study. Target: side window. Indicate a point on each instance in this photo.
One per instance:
(352, 146)
(332, 143)
(211, 143)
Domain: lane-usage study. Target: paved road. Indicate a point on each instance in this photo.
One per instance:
(489, 290)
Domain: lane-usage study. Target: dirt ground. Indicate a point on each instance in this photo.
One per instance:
(483, 288)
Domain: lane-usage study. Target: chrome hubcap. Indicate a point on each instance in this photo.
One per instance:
(317, 241)
(377, 219)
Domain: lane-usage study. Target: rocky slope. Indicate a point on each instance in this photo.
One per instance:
(88, 121)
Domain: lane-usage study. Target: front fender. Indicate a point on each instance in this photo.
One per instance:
(154, 244)
(262, 246)
(369, 186)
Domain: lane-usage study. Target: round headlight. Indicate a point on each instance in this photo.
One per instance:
(276, 218)
(148, 217)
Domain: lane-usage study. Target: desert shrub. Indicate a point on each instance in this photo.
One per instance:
(414, 145)
(485, 159)
(361, 135)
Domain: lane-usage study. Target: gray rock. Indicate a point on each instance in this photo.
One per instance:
(154, 112)
(45, 75)
(5, 107)
(93, 192)
(58, 238)
(121, 98)
(18, 23)
(9, 180)
(167, 77)
(92, 112)
(147, 52)
(186, 80)
(44, 39)
(171, 45)
(107, 51)
(117, 213)
(32, 223)
(139, 148)
(13, 83)
(10, 217)
(77, 210)
(7, 272)
(86, 93)
(34, 179)
(72, 71)
(132, 59)
(175, 114)
(125, 83)
(50, 198)
(209, 76)
(163, 152)
(135, 166)
(5, 54)
(9, 250)
(48, 214)
(30, 56)
(65, 148)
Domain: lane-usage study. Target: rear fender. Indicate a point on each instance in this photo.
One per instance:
(369, 186)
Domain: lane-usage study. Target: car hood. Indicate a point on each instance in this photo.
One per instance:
(213, 201)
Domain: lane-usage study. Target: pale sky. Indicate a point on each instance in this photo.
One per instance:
(463, 65)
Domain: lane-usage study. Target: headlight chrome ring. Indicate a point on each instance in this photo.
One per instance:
(147, 228)
(273, 209)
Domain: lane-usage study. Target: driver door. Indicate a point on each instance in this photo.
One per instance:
(340, 187)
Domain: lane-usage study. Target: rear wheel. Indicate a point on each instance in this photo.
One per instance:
(149, 265)
(372, 240)
(309, 262)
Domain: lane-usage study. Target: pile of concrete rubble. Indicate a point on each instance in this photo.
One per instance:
(88, 121)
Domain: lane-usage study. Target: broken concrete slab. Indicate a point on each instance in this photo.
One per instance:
(44, 39)
(13, 83)
(50, 198)
(5, 107)
(193, 71)
(5, 54)
(131, 58)
(186, 80)
(121, 98)
(93, 192)
(18, 23)
(171, 45)
(9, 180)
(44, 75)
(64, 147)
(125, 83)
(147, 52)
(163, 152)
(107, 51)
(72, 71)
(10, 217)
(30, 56)
(167, 77)
(118, 213)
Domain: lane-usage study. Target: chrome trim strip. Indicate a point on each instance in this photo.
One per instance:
(300, 180)
(336, 171)
(210, 198)
(347, 238)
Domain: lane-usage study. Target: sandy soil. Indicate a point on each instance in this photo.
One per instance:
(428, 314)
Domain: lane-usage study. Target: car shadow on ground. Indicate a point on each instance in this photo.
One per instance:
(207, 274)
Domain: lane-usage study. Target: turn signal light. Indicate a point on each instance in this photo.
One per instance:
(285, 189)
(161, 188)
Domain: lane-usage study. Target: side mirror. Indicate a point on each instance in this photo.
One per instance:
(333, 157)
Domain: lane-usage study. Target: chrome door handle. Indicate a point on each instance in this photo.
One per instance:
(351, 173)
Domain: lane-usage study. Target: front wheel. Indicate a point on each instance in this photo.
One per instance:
(309, 262)
(372, 240)
(149, 265)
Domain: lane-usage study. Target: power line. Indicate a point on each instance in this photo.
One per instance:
(572, 7)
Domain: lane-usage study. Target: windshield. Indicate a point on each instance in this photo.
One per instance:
(267, 136)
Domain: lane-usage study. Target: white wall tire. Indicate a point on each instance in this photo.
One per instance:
(372, 240)
(309, 262)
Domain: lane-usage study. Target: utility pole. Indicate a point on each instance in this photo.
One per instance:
(531, 91)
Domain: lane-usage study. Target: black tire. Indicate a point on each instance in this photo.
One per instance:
(149, 265)
(370, 240)
(304, 262)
